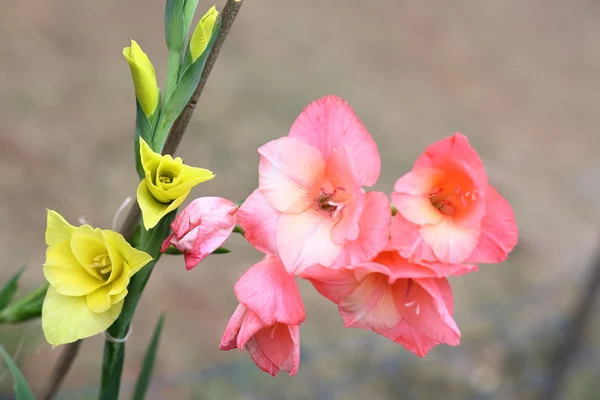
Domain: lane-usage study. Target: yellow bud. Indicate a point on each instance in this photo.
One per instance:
(144, 77)
(203, 32)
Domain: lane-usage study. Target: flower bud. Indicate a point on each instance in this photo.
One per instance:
(202, 33)
(144, 77)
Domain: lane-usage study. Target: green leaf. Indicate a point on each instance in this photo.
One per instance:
(144, 379)
(172, 250)
(176, 100)
(22, 389)
(29, 307)
(10, 288)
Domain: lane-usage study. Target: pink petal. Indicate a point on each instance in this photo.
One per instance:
(407, 239)
(271, 293)
(329, 123)
(411, 196)
(455, 147)
(401, 268)
(450, 243)
(347, 228)
(259, 221)
(305, 239)
(410, 338)
(342, 171)
(499, 231)
(333, 284)
(371, 305)
(374, 231)
(276, 348)
(242, 325)
(425, 304)
(290, 174)
(203, 226)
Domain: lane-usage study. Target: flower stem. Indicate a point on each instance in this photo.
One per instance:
(179, 127)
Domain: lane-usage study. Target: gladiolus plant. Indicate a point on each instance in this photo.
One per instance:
(383, 258)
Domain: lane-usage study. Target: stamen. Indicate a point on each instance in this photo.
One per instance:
(408, 287)
(273, 330)
(418, 310)
(410, 304)
(343, 189)
(106, 270)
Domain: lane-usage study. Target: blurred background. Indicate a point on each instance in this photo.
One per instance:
(520, 79)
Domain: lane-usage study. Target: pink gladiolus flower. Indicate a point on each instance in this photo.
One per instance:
(447, 211)
(267, 320)
(405, 302)
(310, 199)
(201, 228)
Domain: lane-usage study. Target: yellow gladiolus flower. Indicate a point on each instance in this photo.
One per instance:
(203, 32)
(88, 271)
(144, 77)
(167, 183)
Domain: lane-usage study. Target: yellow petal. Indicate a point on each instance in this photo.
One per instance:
(147, 155)
(158, 193)
(57, 229)
(87, 243)
(119, 296)
(189, 177)
(66, 319)
(65, 273)
(134, 258)
(144, 77)
(203, 33)
(152, 210)
(99, 300)
(169, 168)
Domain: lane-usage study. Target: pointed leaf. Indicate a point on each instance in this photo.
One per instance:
(144, 379)
(10, 288)
(22, 389)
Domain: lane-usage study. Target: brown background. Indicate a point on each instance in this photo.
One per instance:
(520, 78)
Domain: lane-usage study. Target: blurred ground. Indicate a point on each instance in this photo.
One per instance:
(521, 79)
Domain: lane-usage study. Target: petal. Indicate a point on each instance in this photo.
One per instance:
(401, 268)
(329, 123)
(333, 284)
(66, 319)
(425, 305)
(270, 292)
(371, 305)
(99, 300)
(455, 147)
(343, 172)
(411, 196)
(259, 221)
(450, 243)
(250, 325)
(147, 155)
(275, 348)
(57, 229)
(290, 174)
(87, 243)
(135, 258)
(410, 338)
(65, 274)
(189, 177)
(305, 239)
(406, 238)
(347, 228)
(374, 231)
(152, 209)
(229, 339)
(499, 231)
